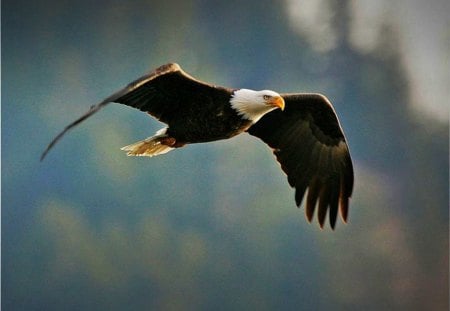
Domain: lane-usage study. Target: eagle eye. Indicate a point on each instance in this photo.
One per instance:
(266, 97)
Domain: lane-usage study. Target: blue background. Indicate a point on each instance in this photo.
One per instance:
(210, 226)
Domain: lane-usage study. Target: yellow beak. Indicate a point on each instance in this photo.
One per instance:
(278, 102)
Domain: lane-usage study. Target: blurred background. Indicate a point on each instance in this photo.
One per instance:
(214, 226)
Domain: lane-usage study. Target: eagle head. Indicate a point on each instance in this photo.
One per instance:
(253, 105)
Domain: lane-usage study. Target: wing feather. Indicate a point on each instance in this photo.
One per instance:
(310, 146)
(313, 194)
(334, 201)
(323, 204)
(169, 93)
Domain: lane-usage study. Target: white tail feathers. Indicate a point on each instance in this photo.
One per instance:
(149, 147)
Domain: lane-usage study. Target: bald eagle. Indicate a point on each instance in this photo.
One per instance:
(302, 130)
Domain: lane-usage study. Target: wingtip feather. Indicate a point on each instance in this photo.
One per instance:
(344, 209)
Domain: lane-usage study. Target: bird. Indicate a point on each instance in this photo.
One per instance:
(302, 129)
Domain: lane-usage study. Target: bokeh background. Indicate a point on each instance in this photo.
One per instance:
(214, 226)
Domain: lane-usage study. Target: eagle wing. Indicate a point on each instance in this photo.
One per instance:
(169, 92)
(154, 94)
(309, 143)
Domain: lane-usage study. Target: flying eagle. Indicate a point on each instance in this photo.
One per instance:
(302, 130)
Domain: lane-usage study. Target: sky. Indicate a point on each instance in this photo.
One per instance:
(213, 226)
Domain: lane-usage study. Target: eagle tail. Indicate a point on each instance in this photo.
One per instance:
(152, 146)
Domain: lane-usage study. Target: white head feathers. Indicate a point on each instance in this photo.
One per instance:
(253, 105)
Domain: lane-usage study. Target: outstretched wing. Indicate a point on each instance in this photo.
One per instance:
(166, 93)
(308, 141)
(169, 93)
